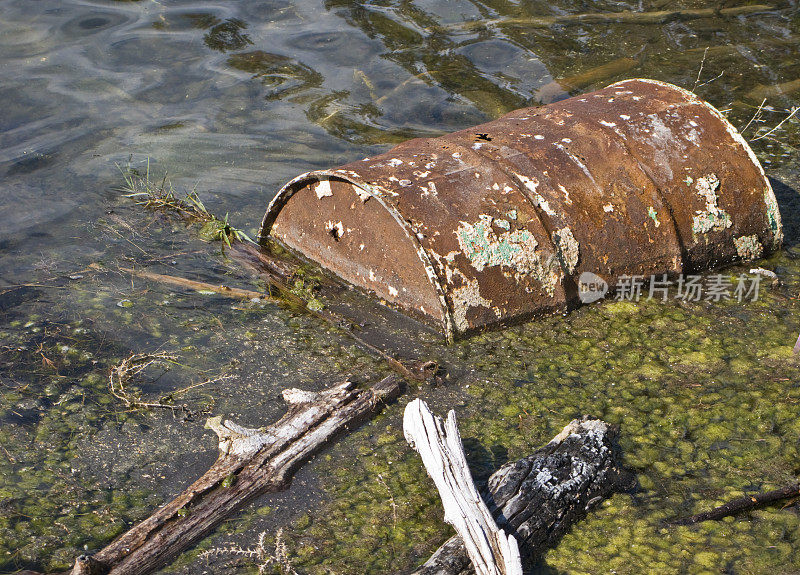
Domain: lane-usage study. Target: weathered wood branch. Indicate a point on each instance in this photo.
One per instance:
(538, 498)
(250, 462)
(491, 551)
(746, 503)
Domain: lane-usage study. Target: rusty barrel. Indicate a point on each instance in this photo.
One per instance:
(497, 222)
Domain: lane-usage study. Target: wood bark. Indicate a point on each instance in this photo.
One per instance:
(490, 549)
(537, 499)
(250, 462)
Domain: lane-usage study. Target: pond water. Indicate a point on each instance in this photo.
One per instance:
(232, 99)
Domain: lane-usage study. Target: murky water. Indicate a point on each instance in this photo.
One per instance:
(235, 98)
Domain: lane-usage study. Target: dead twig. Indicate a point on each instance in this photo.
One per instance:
(123, 373)
(782, 122)
(756, 116)
(700, 71)
(222, 289)
(279, 557)
(746, 503)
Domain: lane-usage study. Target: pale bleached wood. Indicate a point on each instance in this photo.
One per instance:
(540, 497)
(490, 549)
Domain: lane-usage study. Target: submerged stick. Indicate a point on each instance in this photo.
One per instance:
(746, 503)
(250, 462)
(222, 289)
(654, 17)
(418, 372)
(774, 90)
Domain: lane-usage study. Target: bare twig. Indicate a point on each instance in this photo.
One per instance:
(746, 503)
(700, 71)
(717, 77)
(756, 115)
(123, 373)
(392, 503)
(782, 122)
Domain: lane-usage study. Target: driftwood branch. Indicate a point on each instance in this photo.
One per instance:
(746, 503)
(538, 498)
(250, 462)
(491, 551)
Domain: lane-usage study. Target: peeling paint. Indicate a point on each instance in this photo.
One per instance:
(748, 247)
(362, 194)
(502, 224)
(540, 202)
(323, 189)
(464, 298)
(564, 191)
(664, 142)
(336, 229)
(651, 211)
(516, 250)
(713, 218)
(530, 183)
(568, 248)
(774, 217)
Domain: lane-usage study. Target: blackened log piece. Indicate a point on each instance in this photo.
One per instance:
(537, 499)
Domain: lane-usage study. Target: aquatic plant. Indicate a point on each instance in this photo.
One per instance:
(163, 197)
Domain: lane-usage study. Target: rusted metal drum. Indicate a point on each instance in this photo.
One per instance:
(497, 222)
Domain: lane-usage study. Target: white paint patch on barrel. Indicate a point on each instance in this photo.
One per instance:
(323, 189)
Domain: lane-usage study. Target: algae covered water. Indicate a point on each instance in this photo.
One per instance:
(234, 98)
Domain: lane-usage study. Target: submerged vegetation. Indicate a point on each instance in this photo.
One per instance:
(163, 197)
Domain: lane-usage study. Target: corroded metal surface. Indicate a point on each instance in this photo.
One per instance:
(497, 222)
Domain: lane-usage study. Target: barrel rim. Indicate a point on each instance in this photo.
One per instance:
(294, 185)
